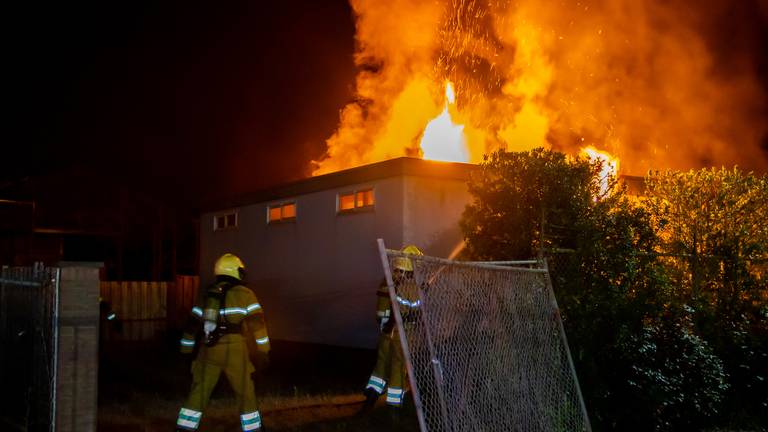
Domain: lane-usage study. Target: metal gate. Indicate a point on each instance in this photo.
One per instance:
(29, 298)
(484, 346)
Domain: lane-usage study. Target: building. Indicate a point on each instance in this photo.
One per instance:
(310, 246)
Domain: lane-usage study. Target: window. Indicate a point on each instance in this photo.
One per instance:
(224, 221)
(358, 200)
(285, 212)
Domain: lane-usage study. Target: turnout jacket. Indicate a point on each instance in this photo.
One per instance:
(406, 297)
(240, 311)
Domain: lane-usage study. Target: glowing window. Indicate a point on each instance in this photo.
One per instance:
(224, 221)
(347, 202)
(285, 212)
(356, 201)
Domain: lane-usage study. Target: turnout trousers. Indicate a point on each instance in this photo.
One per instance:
(229, 356)
(389, 371)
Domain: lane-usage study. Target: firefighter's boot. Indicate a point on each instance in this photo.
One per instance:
(370, 400)
(395, 415)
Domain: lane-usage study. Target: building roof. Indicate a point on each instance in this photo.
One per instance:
(403, 166)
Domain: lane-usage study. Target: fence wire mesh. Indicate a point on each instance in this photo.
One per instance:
(28, 325)
(485, 347)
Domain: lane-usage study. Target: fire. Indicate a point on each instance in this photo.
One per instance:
(443, 139)
(640, 77)
(610, 165)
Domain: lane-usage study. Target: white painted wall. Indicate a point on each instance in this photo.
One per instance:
(431, 213)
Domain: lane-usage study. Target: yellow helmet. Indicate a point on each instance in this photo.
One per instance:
(404, 263)
(229, 265)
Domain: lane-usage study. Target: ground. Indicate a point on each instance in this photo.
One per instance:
(308, 388)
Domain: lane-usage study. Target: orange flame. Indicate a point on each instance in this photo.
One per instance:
(638, 76)
(443, 139)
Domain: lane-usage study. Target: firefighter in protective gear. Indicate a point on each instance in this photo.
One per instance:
(389, 372)
(233, 339)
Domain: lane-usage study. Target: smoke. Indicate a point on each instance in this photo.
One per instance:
(660, 84)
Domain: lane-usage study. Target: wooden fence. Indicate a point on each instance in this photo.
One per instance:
(181, 297)
(147, 310)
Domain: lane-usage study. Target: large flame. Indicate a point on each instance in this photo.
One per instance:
(443, 139)
(646, 79)
(609, 169)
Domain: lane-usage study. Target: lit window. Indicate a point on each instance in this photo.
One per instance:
(355, 201)
(285, 212)
(225, 221)
(347, 202)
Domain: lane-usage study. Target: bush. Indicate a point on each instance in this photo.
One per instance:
(639, 357)
(678, 380)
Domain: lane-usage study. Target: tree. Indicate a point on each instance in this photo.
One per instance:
(614, 295)
(514, 192)
(714, 229)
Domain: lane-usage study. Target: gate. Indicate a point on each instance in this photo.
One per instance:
(484, 346)
(29, 299)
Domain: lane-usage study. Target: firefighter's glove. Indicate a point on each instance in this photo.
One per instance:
(383, 323)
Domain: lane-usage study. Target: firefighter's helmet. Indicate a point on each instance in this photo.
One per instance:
(405, 263)
(229, 265)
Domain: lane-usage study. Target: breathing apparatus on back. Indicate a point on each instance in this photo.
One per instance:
(229, 271)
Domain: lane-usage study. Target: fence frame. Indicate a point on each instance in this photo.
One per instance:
(401, 332)
(43, 327)
(542, 268)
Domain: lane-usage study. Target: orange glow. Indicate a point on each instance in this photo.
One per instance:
(635, 76)
(274, 214)
(443, 139)
(347, 201)
(364, 198)
(288, 211)
(610, 168)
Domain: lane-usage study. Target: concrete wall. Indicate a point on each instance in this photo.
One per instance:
(77, 363)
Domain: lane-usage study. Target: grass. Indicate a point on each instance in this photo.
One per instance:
(142, 387)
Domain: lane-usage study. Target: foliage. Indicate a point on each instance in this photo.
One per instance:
(714, 230)
(616, 297)
(513, 191)
(668, 359)
(709, 213)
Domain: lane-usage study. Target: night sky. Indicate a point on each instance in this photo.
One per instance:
(186, 102)
(183, 101)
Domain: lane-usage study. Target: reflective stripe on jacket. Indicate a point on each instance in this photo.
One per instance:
(240, 307)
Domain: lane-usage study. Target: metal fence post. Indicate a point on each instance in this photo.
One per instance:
(548, 282)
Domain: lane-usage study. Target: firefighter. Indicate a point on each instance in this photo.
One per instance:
(233, 339)
(389, 372)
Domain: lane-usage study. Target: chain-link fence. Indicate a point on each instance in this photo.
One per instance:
(485, 348)
(28, 325)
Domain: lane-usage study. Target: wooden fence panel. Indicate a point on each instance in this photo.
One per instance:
(180, 300)
(148, 309)
(140, 306)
